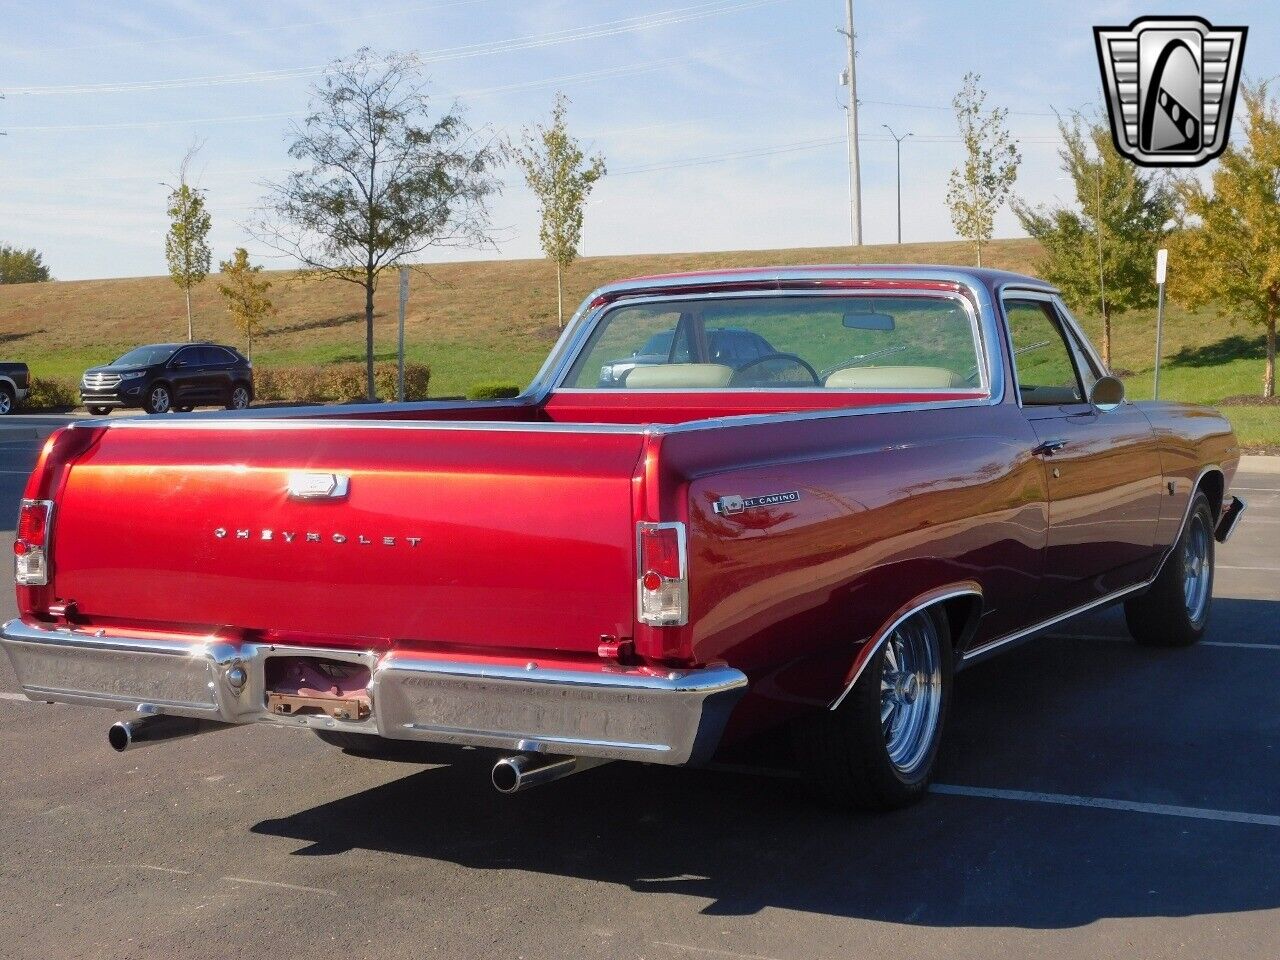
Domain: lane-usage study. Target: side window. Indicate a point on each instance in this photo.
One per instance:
(189, 357)
(219, 356)
(1042, 357)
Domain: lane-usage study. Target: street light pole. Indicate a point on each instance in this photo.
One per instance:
(898, 142)
(850, 77)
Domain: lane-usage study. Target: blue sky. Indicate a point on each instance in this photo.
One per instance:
(102, 99)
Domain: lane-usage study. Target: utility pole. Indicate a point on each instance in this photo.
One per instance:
(898, 140)
(850, 78)
(404, 302)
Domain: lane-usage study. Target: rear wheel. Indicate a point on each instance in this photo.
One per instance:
(6, 400)
(239, 398)
(1175, 610)
(100, 411)
(159, 399)
(877, 750)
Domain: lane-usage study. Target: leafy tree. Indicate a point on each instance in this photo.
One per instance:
(1123, 211)
(186, 245)
(245, 293)
(561, 176)
(382, 180)
(21, 266)
(979, 187)
(1227, 250)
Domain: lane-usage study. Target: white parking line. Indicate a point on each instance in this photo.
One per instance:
(1238, 644)
(1227, 566)
(1103, 803)
(712, 951)
(285, 886)
(14, 696)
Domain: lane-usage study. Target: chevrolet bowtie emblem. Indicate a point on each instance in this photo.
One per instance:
(318, 486)
(1171, 86)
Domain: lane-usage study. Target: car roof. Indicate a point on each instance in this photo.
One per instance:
(985, 276)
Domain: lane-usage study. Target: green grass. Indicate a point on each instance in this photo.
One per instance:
(495, 320)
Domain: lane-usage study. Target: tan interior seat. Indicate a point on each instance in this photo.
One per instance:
(667, 376)
(906, 377)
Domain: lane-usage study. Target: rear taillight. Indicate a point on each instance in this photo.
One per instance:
(31, 543)
(663, 584)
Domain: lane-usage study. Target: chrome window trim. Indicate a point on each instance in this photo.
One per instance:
(1027, 632)
(1011, 291)
(990, 380)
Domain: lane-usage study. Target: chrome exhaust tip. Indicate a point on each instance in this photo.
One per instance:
(153, 728)
(525, 770)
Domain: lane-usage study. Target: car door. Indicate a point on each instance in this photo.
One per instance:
(185, 372)
(219, 367)
(1102, 467)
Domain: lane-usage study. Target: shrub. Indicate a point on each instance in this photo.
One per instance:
(48, 393)
(493, 390)
(341, 382)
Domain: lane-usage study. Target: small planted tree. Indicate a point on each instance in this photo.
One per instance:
(245, 292)
(1227, 250)
(21, 266)
(381, 180)
(186, 245)
(561, 176)
(978, 188)
(1101, 250)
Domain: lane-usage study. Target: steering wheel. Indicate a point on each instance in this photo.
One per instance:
(798, 361)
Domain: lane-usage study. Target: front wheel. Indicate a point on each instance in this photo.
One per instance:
(1175, 610)
(877, 750)
(159, 400)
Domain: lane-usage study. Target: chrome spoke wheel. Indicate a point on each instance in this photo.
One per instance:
(160, 400)
(239, 398)
(911, 693)
(6, 403)
(1196, 569)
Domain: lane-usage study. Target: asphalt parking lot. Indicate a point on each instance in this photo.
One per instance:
(1096, 799)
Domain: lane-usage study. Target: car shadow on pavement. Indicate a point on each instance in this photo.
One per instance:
(1061, 715)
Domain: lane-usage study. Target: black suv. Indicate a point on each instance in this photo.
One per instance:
(170, 376)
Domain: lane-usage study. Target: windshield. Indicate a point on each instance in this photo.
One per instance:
(873, 342)
(145, 357)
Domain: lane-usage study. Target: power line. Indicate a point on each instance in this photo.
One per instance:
(699, 11)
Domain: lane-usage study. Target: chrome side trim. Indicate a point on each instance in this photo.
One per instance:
(602, 710)
(868, 651)
(982, 651)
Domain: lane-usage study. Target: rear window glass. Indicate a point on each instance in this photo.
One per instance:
(783, 342)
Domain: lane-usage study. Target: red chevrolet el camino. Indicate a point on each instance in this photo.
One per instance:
(729, 501)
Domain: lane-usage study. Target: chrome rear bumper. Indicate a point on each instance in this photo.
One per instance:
(593, 710)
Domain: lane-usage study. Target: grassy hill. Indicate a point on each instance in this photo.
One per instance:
(496, 320)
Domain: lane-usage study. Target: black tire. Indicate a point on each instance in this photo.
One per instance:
(184, 409)
(845, 753)
(159, 399)
(7, 401)
(100, 411)
(240, 398)
(1173, 613)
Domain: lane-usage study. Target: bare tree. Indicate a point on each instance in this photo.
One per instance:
(381, 181)
(979, 187)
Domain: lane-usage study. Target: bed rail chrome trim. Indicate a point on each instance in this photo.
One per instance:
(591, 709)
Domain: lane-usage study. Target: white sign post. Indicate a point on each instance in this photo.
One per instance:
(1162, 271)
(404, 301)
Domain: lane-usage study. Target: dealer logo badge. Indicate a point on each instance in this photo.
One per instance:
(1171, 85)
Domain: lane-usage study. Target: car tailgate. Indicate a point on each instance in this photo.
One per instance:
(493, 536)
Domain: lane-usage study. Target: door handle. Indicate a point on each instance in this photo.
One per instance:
(1047, 448)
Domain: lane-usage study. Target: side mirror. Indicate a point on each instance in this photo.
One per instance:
(1107, 394)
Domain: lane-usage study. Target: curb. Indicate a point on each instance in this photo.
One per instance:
(1259, 464)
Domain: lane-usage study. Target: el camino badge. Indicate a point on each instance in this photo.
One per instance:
(318, 486)
(731, 505)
